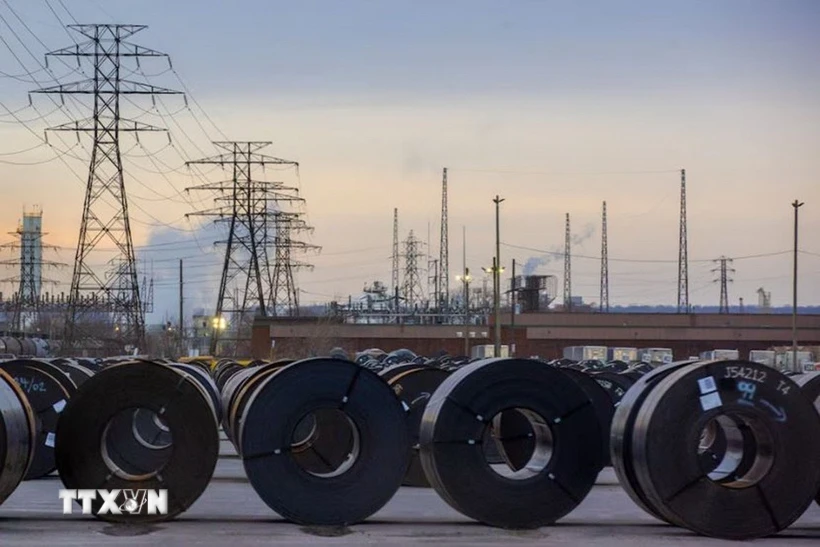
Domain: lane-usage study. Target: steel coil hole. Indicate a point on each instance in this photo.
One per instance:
(746, 452)
(524, 440)
(136, 444)
(325, 443)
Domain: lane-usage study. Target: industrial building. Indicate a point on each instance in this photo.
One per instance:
(542, 334)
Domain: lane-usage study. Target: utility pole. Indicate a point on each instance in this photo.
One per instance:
(103, 221)
(567, 266)
(497, 275)
(604, 300)
(465, 280)
(513, 289)
(796, 366)
(181, 315)
(683, 253)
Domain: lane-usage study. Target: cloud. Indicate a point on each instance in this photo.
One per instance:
(202, 266)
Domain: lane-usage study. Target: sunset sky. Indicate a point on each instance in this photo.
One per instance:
(555, 106)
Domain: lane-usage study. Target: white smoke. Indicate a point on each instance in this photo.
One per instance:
(556, 252)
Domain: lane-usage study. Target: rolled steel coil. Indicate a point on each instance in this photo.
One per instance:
(92, 455)
(17, 433)
(567, 446)
(762, 484)
(48, 390)
(373, 463)
(414, 385)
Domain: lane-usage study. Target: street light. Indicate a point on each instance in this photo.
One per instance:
(796, 204)
(497, 278)
(465, 279)
(496, 273)
(219, 323)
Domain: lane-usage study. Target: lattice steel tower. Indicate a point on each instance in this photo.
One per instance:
(412, 291)
(103, 222)
(567, 267)
(683, 255)
(604, 300)
(724, 281)
(443, 296)
(253, 209)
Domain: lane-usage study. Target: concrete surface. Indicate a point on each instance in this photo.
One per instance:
(230, 513)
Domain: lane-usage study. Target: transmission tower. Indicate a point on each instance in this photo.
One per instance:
(412, 291)
(396, 254)
(443, 295)
(283, 296)
(724, 281)
(28, 298)
(102, 221)
(257, 222)
(604, 305)
(683, 254)
(567, 267)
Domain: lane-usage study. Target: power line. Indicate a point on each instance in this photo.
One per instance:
(564, 173)
(639, 260)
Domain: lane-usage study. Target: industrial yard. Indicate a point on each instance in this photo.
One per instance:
(397, 273)
(230, 512)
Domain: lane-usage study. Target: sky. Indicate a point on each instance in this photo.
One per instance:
(555, 106)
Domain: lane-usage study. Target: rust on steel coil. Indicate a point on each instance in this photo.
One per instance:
(83, 456)
(562, 468)
(757, 500)
(414, 385)
(622, 427)
(236, 381)
(17, 433)
(239, 397)
(224, 370)
(376, 460)
(392, 371)
(48, 390)
(810, 385)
